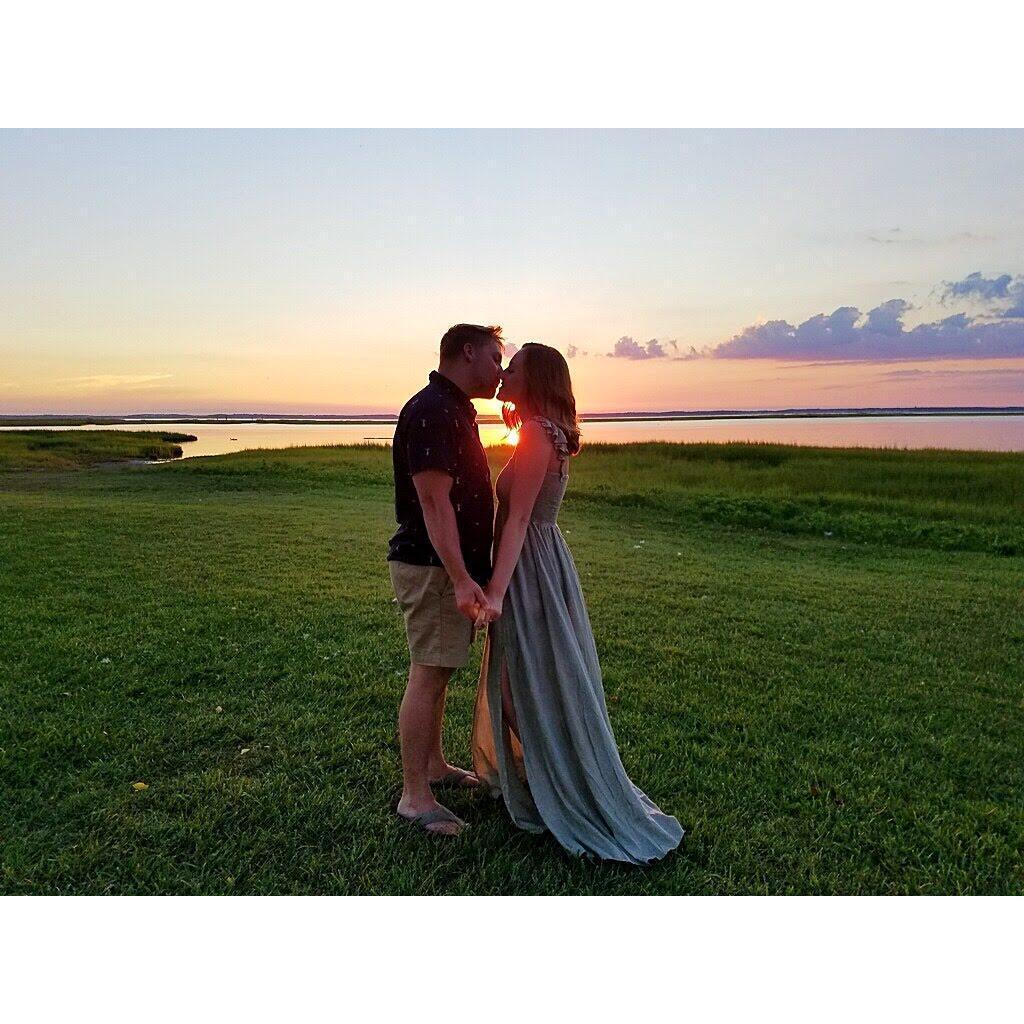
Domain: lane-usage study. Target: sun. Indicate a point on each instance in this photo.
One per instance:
(513, 437)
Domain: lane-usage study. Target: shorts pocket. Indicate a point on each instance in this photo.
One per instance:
(440, 582)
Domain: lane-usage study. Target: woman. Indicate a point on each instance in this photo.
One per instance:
(541, 735)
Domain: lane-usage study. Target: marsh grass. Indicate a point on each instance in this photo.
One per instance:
(70, 449)
(834, 713)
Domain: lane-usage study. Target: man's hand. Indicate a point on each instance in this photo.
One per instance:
(434, 490)
(470, 598)
(491, 608)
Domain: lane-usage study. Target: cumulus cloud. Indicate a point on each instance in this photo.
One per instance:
(980, 286)
(846, 334)
(1000, 296)
(849, 335)
(888, 317)
(627, 348)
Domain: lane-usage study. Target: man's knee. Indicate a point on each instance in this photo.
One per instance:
(429, 677)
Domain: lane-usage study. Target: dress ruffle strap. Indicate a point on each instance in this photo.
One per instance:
(558, 440)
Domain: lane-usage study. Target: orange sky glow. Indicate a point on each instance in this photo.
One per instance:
(602, 384)
(314, 272)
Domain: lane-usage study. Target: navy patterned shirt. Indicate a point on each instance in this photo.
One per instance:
(437, 429)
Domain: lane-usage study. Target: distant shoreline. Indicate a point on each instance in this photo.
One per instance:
(617, 417)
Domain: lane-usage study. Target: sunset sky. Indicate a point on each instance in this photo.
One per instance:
(314, 272)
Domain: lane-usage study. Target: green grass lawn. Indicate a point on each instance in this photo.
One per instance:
(812, 657)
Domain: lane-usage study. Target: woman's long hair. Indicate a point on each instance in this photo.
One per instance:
(548, 392)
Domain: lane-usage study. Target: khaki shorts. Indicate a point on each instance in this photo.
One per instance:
(438, 633)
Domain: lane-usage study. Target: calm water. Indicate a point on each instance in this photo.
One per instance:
(991, 433)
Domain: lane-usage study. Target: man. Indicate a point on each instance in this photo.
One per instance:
(440, 558)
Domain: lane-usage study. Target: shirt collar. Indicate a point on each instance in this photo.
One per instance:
(449, 387)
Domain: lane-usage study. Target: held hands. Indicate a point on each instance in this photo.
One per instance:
(491, 608)
(470, 598)
(479, 606)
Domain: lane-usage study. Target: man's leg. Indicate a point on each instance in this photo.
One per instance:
(437, 764)
(436, 631)
(419, 729)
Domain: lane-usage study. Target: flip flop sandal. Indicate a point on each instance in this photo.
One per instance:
(432, 818)
(455, 779)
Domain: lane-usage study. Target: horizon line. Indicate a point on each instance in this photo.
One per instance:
(638, 414)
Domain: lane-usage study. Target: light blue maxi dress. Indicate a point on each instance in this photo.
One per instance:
(566, 776)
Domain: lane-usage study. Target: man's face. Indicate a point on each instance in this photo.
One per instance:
(488, 365)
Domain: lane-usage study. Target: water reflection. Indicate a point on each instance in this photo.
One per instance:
(982, 433)
(992, 433)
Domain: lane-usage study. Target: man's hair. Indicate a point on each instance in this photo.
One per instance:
(467, 334)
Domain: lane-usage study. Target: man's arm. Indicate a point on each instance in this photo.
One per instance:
(434, 489)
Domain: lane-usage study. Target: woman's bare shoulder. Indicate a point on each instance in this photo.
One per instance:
(537, 443)
(533, 429)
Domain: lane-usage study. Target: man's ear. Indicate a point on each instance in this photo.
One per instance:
(467, 351)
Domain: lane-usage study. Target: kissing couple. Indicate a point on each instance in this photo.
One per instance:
(541, 734)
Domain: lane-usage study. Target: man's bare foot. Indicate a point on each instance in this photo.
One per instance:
(447, 823)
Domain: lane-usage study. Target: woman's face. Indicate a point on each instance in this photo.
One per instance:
(513, 380)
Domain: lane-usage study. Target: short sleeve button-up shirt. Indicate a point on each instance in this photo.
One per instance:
(437, 429)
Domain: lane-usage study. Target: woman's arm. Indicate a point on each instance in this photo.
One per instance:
(533, 454)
